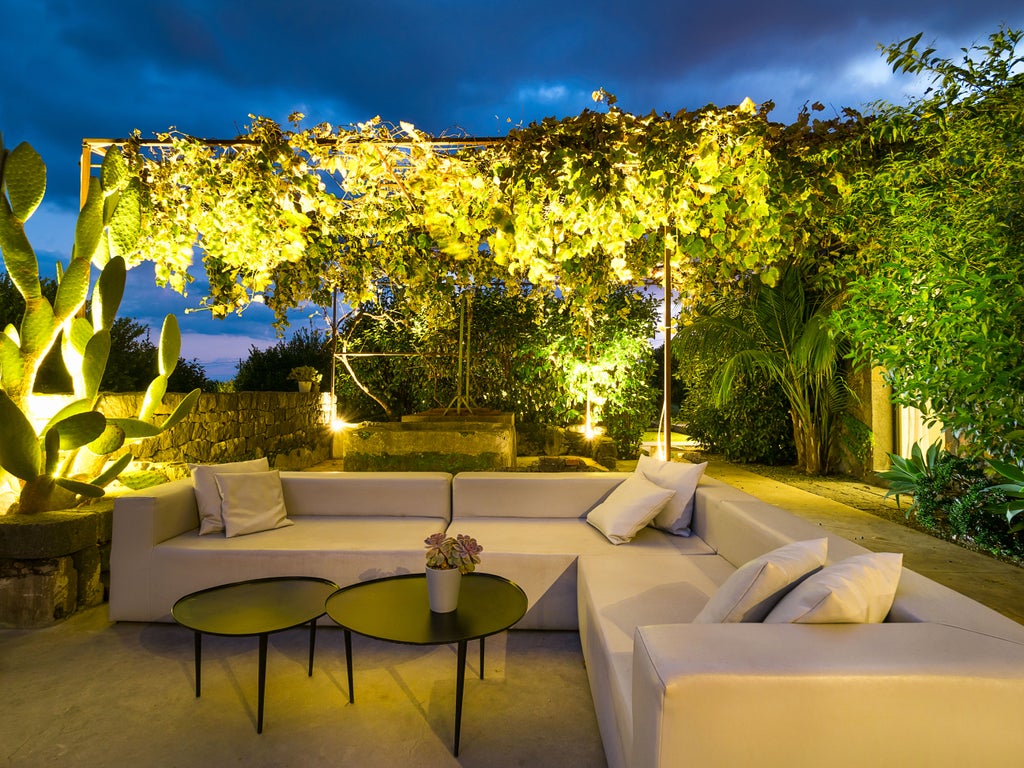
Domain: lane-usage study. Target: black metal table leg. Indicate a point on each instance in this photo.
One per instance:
(312, 644)
(348, 665)
(460, 684)
(262, 683)
(199, 662)
(481, 658)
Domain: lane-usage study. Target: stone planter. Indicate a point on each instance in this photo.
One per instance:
(52, 564)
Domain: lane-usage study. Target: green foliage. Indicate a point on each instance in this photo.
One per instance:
(936, 287)
(52, 377)
(132, 362)
(109, 221)
(530, 354)
(268, 369)
(752, 426)
(575, 205)
(304, 373)
(953, 498)
(907, 475)
(778, 334)
(1013, 491)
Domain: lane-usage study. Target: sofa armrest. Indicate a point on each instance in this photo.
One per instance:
(795, 695)
(142, 520)
(156, 514)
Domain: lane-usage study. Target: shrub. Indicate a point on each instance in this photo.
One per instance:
(954, 498)
(754, 426)
(268, 369)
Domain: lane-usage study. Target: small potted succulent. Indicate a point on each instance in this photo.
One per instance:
(307, 376)
(448, 557)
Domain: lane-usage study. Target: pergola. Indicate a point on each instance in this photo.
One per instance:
(94, 149)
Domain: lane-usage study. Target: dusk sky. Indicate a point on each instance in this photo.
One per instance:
(104, 68)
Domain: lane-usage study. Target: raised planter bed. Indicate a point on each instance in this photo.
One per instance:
(52, 564)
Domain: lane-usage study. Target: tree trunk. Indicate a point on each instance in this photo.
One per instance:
(808, 446)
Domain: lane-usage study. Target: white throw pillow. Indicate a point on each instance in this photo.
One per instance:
(252, 502)
(633, 504)
(858, 590)
(681, 478)
(208, 496)
(753, 590)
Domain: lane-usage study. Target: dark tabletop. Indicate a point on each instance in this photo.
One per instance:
(255, 607)
(397, 609)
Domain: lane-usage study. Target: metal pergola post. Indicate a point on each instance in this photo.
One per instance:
(667, 357)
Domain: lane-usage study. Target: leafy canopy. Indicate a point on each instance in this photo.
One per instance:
(576, 205)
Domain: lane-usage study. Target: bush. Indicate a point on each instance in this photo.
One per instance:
(268, 369)
(754, 426)
(952, 501)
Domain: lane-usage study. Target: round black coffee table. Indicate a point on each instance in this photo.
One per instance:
(257, 607)
(396, 609)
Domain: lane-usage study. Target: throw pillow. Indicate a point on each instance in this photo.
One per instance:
(752, 591)
(208, 496)
(681, 478)
(858, 590)
(631, 506)
(252, 502)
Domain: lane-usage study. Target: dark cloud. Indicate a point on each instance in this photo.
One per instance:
(101, 69)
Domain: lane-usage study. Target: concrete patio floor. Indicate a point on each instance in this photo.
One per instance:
(87, 693)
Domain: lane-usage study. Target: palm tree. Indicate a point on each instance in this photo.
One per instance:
(778, 332)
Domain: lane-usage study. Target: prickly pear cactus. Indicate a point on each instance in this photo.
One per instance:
(108, 226)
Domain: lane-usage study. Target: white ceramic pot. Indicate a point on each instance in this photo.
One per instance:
(305, 386)
(443, 589)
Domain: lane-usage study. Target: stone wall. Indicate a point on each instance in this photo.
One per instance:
(286, 427)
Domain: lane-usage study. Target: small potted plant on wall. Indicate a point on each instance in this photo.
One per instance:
(448, 557)
(307, 376)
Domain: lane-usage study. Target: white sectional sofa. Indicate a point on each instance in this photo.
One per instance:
(940, 683)
(348, 527)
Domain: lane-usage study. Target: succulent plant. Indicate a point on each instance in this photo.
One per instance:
(108, 226)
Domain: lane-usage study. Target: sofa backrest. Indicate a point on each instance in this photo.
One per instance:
(740, 527)
(530, 494)
(368, 494)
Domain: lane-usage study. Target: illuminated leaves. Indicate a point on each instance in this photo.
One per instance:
(577, 205)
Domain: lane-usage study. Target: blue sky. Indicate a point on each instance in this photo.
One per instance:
(102, 69)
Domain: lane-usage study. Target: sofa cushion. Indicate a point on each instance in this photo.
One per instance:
(251, 502)
(342, 549)
(208, 495)
(530, 494)
(631, 506)
(540, 556)
(369, 494)
(681, 478)
(858, 590)
(754, 589)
